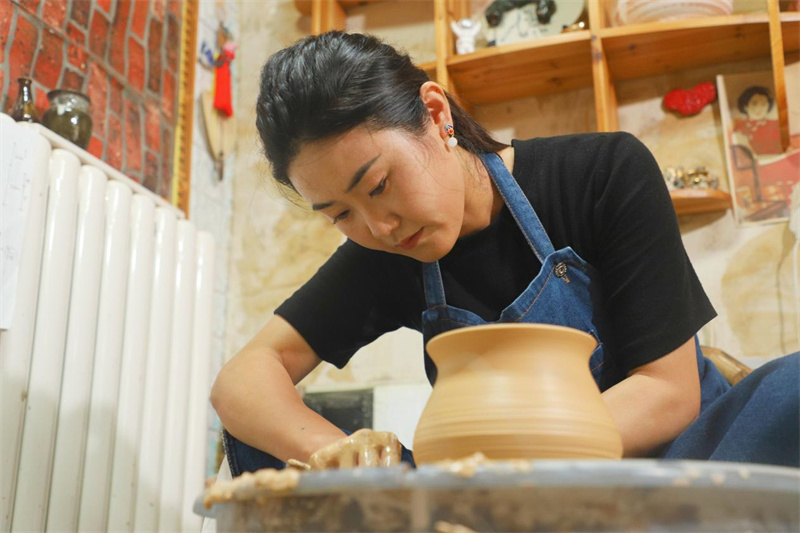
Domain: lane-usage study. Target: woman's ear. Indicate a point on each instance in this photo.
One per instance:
(435, 100)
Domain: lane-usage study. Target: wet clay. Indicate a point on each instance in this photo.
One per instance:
(515, 391)
(363, 448)
(250, 485)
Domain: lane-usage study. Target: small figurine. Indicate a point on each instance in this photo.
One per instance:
(466, 30)
(691, 102)
(544, 10)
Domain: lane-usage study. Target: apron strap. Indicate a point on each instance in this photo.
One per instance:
(434, 287)
(520, 207)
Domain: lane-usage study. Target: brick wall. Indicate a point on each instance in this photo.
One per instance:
(122, 53)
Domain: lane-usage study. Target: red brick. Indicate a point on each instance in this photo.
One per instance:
(54, 13)
(97, 90)
(72, 80)
(105, 5)
(173, 45)
(95, 147)
(139, 21)
(77, 57)
(31, 6)
(114, 145)
(115, 97)
(165, 185)
(75, 34)
(20, 57)
(98, 35)
(159, 8)
(3, 83)
(152, 124)
(151, 177)
(174, 7)
(49, 60)
(154, 56)
(6, 17)
(133, 139)
(80, 12)
(135, 72)
(119, 28)
(168, 95)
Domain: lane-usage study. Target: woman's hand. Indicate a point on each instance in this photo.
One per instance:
(363, 448)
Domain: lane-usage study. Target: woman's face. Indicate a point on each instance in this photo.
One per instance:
(386, 190)
(758, 107)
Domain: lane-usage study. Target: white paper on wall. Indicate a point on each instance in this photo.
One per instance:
(16, 169)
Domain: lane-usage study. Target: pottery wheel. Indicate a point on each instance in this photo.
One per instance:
(528, 496)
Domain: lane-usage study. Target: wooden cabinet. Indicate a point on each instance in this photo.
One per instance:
(598, 57)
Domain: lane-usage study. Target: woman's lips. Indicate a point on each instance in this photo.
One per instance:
(411, 242)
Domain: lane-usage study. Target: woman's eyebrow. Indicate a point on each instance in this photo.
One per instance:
(360, 173)
(354, 181)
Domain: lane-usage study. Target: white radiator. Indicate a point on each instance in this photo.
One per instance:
(105, 363)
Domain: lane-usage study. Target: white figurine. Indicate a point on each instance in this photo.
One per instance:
(466, 30)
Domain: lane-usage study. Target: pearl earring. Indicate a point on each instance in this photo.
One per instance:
(452, 142)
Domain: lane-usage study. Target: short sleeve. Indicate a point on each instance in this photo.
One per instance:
(346, 305)
(654, 297)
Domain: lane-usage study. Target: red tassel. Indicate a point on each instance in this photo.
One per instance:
(222, 86)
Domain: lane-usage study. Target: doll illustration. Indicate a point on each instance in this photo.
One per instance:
(757, 129)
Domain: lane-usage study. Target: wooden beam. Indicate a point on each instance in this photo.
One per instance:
(327, 15)
(778, 70)
(605, 93)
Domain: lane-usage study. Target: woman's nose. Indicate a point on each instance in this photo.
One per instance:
(381, 226)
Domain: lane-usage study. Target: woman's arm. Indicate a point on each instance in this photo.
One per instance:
(256, 400)
(657, 401)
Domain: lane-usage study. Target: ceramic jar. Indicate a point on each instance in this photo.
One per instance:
(68, 116)
(515, 391)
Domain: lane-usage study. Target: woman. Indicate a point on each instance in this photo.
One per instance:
(448, 228)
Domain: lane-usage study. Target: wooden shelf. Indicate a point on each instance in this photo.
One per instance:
(429, 68)
(642, 50)
(304, 6)
(790, 29)
(550, 64)
(695, 201)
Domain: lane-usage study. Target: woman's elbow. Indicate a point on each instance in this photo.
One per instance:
(221, 393)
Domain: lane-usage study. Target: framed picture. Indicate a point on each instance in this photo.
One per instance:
(763, 177)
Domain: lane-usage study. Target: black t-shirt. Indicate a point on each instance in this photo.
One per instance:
(601, 194)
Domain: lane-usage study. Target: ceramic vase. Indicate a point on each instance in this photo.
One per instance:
(69, 116)
(515, 391)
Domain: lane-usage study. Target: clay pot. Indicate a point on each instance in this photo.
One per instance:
(515, 391)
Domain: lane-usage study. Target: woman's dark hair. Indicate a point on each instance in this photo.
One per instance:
(324, 86)
(750, 92)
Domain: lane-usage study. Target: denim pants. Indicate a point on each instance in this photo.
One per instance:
(756, 421)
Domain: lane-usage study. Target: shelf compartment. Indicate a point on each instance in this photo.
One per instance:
(304, 6)
(695, 201)
(550, 64)
(642, 50)
(790, 29)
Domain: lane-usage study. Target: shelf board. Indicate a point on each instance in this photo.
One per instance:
(304, 6)
(642, 50)
(538, 66)
(694, 201)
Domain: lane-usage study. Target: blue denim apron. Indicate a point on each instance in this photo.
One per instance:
(756, 421)
(566, 292)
